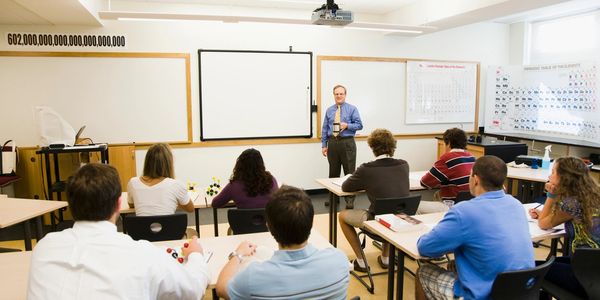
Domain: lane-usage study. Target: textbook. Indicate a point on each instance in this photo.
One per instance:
(399, 222)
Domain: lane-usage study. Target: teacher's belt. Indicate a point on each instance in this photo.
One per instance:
(339, 137)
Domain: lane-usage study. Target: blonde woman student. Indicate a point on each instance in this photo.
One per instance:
(157, 192)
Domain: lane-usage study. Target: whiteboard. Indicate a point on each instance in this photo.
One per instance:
(254, 94)
(551, 102)
(440, 92)
(120, 97)
(377, 87)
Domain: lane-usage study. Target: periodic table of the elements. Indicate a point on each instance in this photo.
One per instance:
(559, 100)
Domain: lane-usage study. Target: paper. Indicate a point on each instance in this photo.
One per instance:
(340, 181)
(400, 222)
(193, 196)
(536, 231)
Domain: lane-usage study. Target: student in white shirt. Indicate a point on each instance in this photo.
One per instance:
(157, 192)
(94, 261)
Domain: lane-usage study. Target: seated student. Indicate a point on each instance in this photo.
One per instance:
(93, 260)
(573, 198)
(488, 235)
(157, 192)
(297, 270)
(250, 185)
(450, 172)
(385, 177)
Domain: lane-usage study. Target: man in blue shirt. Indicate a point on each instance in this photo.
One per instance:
(488, 234)
(298, 270)
(337, 137)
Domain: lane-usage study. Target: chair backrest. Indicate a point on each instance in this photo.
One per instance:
(522, 284)
(586, 266)
(244, 221)
(407, 205)
(156, 228)
(463, 196)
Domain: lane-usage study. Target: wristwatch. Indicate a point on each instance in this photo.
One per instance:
(235, 254)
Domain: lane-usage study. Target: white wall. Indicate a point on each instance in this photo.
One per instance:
(296, 164)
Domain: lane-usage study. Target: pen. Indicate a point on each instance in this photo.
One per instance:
(537, 206)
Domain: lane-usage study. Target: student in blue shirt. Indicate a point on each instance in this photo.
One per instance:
(488, 235)
(297, 270)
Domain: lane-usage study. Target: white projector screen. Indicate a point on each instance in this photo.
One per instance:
(255, 94)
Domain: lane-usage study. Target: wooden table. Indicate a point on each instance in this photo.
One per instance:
(15, 275)
(406, 243)
(15, 265)
(198, 204)
(14, 211)
(336, 190)
(530, 182)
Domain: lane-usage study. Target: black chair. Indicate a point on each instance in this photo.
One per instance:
(244, 221)
(156, 228)
(463, 196)
(522, 284)
(407, 205)
(585, 263)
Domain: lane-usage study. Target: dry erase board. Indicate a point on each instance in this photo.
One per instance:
(378, 88)
(255, 94)
(120, 97)
(557, 102)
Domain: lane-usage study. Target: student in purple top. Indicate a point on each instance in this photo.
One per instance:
(250, 185)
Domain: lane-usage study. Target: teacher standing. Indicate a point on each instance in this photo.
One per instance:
(337, 137)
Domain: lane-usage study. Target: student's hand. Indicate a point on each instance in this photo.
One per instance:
(550, 187)
(343, 126)
(192, 246)
(324, 151)
(534, 213)
(246, 249)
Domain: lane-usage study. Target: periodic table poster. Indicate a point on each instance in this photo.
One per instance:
(440, 92)
(558, 100)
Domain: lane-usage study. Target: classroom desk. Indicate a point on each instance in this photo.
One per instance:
(13, 211)
(530, 182)
(406, 243)
(15, 270)
(15, 265)
(336, 190)
(198, 204)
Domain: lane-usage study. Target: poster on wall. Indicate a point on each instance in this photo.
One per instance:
(556, 101)
(440, 92)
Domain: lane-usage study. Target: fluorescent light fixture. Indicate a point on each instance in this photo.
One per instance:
(383, 27)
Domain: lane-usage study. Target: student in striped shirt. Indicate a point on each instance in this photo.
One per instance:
(450, 173)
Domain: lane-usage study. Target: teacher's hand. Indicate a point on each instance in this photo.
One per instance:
(343, 126)
(324, 151)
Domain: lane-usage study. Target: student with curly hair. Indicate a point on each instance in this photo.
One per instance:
(385, 177)
(250, 185)
(573, 199)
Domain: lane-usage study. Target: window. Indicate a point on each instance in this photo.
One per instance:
(566, 39)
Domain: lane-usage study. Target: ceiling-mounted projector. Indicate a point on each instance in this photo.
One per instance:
(331, 14)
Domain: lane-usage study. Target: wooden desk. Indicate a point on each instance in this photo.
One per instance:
(15, 265)
(14, 210)
(198, 204)
(530, 182)
(406, 243)
(15, 270)
(336, 190)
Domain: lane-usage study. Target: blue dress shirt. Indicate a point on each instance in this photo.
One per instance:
(349, 114)
(488, 234)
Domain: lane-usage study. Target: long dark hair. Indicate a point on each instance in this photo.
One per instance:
(250, 169)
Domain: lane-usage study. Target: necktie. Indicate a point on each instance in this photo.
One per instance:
(336, 120)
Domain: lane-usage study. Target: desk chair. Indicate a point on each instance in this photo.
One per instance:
(244, 221)
(585, 263)
(407, 205)
(156, 228)
(522, 284)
